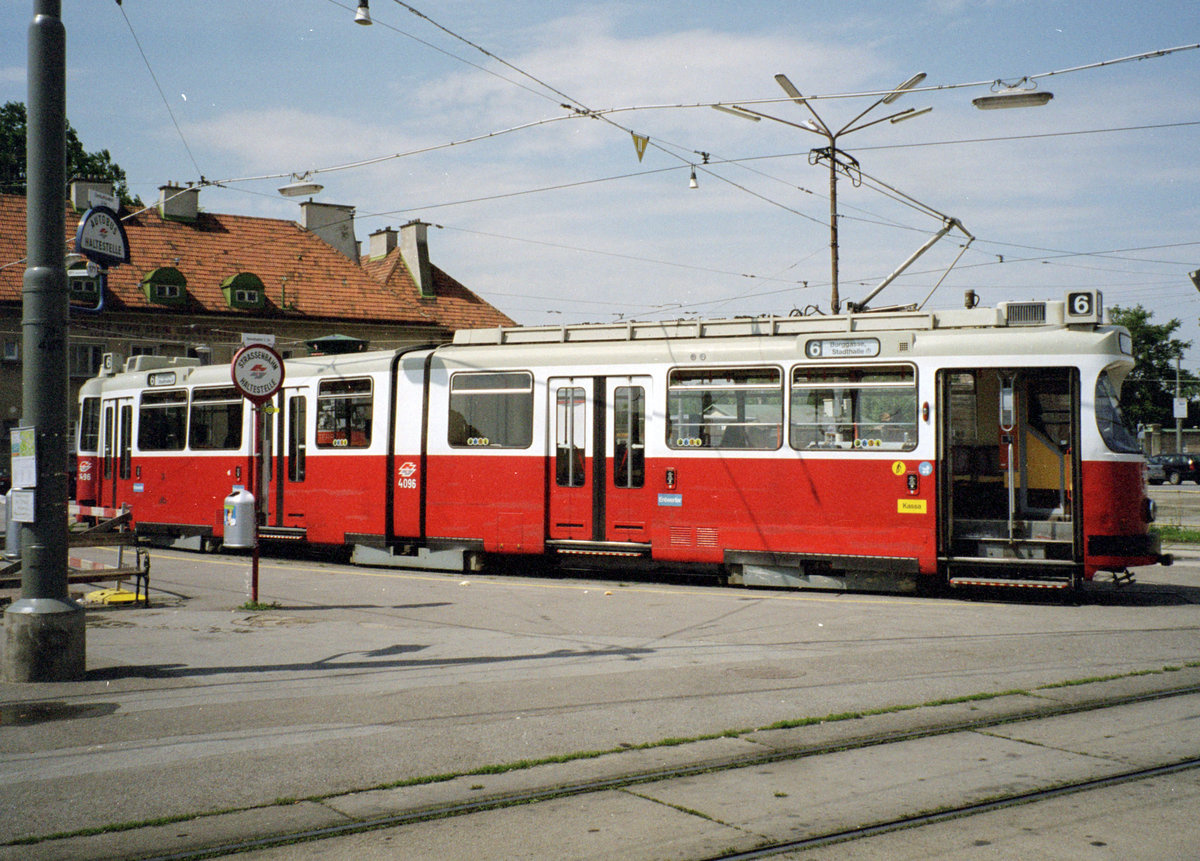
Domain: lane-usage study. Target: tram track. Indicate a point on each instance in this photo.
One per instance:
(535, 793)
(960, 812)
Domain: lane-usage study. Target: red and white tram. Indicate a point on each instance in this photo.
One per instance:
(872, 450)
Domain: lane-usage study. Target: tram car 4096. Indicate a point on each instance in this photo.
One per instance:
(882, 450)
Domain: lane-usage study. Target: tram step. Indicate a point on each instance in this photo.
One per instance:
(1004, 582)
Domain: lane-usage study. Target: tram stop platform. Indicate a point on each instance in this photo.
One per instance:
(589, 719)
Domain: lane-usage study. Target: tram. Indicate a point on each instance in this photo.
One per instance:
(877, 450)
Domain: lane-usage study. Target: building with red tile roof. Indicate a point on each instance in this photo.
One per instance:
(196, 281)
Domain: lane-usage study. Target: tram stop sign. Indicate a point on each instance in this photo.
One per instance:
(257, 372)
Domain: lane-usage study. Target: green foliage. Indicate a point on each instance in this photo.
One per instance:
(80, 162)
(1146, 396)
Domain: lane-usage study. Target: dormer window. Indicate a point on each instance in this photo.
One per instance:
(165, 286)
(84, 288)
(244, 291)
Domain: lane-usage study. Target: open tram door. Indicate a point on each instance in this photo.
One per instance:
(1010, 507)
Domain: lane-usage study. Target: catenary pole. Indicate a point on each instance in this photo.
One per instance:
(44, 629)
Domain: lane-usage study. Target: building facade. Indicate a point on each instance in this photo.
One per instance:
(197, 281)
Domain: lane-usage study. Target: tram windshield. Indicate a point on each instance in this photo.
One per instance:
(1117, 434)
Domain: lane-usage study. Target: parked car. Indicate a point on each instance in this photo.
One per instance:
(1176, 468)
(1156, 473)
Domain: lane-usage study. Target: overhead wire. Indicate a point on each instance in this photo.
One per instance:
(161, 94)
(578, 110)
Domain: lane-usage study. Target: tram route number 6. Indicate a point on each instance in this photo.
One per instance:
(1084, 304)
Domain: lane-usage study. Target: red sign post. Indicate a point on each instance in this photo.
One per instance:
(257, 372)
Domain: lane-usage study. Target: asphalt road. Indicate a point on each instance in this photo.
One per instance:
(1178, 505)
(355, 679)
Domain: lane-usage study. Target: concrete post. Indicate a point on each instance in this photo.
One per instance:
(44, 629)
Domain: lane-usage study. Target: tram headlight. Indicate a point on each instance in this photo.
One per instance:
(1151, 510)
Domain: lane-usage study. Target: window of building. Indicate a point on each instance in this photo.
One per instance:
(162, 420)
(344, 414)
(491, 410)
(165, 285)
(216, 420)
(739, 408)
(86, 359)
(245, 291)
(82, 288)
(854, 408)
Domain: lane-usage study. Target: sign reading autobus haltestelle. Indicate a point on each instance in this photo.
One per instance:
(257, 372)
(101, 237)
(842, 348)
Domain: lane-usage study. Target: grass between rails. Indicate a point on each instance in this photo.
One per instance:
(522, 764)
(1177, 534)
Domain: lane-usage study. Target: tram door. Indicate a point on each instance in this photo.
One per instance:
(598, 459)
(116, 448)
(291, 442)
(572, 407)
(629, 504)
(1010, 442)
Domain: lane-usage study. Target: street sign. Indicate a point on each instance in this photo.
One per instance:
(257, 372)
(101, 238)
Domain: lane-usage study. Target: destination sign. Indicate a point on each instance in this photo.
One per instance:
(842, 348)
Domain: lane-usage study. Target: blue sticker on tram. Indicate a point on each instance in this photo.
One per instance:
(670, 500)
(926, 468)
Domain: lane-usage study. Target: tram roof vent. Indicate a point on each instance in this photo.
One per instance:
(1031, 313)
(152, 363)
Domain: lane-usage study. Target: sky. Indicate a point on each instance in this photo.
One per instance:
(509, 127)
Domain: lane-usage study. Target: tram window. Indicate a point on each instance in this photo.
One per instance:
(125, 450)
(740, 408)
(629, 436)
(110, 439)
(162, 421)
(1117, 434)
(89, 425)
(570, 436)
(491, 410)
(216, 419)
(854, 408)
(344, 414)
(297, 437)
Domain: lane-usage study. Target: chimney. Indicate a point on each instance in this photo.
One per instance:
(82, 190)
(381, 243)
(414, 248)
(176, 203)
(333, 223)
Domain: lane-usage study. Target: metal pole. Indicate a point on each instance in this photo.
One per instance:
(44, 629)
(259, 502)
(1178, 419)
(835, 302)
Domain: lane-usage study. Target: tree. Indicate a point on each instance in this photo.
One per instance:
(1148, 392)
(80, 162)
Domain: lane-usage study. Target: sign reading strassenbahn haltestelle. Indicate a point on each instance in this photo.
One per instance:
(257, 372)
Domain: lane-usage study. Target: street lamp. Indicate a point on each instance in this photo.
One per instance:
(1013, 96)
(838, 160)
